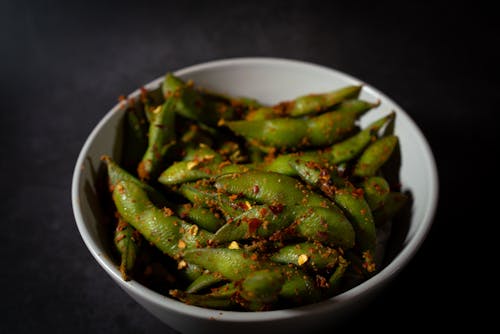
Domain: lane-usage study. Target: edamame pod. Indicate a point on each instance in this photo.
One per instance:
(313, 103)
(206, 218)
(151, 100)
(313, 255)
(335, 279)
(161, 137)
(375, 155)
(281, 164)
(222, 297)
(191, 104)
(393, 204)
(135, 136)
(117, 174)
(295, 133)
(257, 221)
(167, 232)
(354, 145)
(204, 281)
(342, 99)
(188, 171)
(326, 225)
(201, 193)
(375, 190)
(127, 243)
(263, 286)
(234, 264)
(270, 188)
(347, 197)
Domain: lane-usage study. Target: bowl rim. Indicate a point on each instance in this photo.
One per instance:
(387, 273)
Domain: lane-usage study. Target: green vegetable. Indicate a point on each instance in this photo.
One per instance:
(251, 207)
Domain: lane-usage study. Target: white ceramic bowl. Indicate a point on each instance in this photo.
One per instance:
(270, 81)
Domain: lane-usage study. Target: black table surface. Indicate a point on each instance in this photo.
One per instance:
(63, 64)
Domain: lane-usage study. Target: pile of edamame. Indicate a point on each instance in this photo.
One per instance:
(229, 204)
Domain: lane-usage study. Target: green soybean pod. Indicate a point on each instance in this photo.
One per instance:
(263, 286)
(202, 216)
(161, 137)
(354, 145)
(335, 279)
(313, 103)
(200, 193)
(257, 221)
(135, 136)
(281, 164)
(326, 225)
(204, 281)
(167, 232)
(270, 188)
(117, 174)
(188, 171)
(298, 288)
(359, 213)
(234, 264)
(393, 204)
(219, 298)
(127, 244)
(375, 155)
(312, 255)
(375, 190)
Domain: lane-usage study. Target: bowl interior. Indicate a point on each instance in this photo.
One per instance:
(270, 81)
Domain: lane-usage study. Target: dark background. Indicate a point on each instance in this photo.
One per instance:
(63, 64)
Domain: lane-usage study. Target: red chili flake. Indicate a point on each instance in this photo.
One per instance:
(136, 236)
(253, 225)
(255, 189)
(263, 212)
(276, 208)
(322, 235)
(224, 164)
(358, 192)
(121, 226)
(322, 282)
(144, 94)
(241, 205)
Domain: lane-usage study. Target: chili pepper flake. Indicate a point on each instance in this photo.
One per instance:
(181, 244)
(193, 230)
(322, 282)
(167, 212)
(233, 245)
(181, 265)
(119, 188)
(368, 263)
(253, 225)
(302, 259)
(358, 192)
(192, 164)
